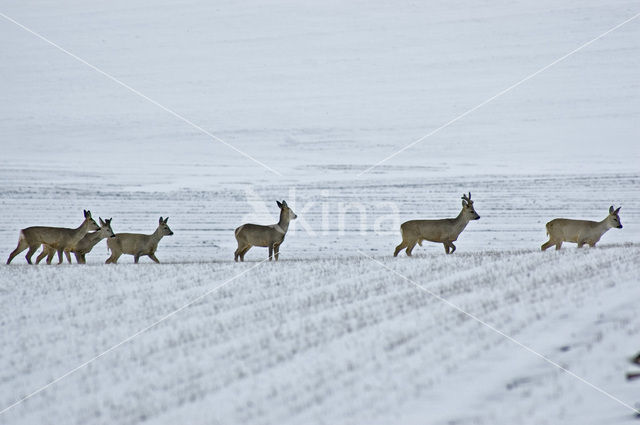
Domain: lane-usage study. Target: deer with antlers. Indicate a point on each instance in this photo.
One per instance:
(444, 231)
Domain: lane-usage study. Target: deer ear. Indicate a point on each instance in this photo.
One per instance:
(279, 204)
(464, 203)
(102, 223)
(617, 210)
(109, 220)
(88, 214)
(611, 209)
(166, 219)
(284, 202)
(160, 221)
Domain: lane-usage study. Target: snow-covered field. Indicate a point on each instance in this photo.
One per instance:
(338, 331)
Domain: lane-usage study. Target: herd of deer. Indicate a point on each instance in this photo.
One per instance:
(81, 240)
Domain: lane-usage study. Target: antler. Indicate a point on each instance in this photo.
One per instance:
(467, 198)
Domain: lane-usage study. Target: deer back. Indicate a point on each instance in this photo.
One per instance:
(570, 230)
(259, 235)
(431, 230)
(56, 237)
(132, 243)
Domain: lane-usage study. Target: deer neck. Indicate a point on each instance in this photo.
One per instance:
(461, 222)
(81, 232)
(603, 225)
(94, 238)
(157, 235)
(283, 224)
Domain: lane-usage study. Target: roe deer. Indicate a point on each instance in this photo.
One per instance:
(84, 246)
(58, 238)
(137, 244)
(445, 230)
(580, 231)
(271, 236)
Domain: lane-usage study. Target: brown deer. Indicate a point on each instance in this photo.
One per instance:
(270, 236)
(58, 238)
(580, 231)
(83, 247)
(137, 244)
(445, 231)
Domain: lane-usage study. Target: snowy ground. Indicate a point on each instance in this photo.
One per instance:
(319, 92)
(347, 343)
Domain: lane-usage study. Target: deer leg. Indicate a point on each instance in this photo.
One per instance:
(244, 251)
(270, 252)
(546, 245)
(22, 245)
(52, 252)
(79, 258)
(42, 254)
(68, 255)
(113, 259)
(453, 247)
(399, 248)
(136, 257)
(239, 251)
(558, 245)
(591, 245)
(60, 259)
(276, 250)
(32, 250)
(411, 244)
(154, 258)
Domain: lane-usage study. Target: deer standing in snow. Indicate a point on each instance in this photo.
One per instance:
(270, 236)
(445, 231)
(580, 231)
(83, 247)
(58, 238)
(137, 244)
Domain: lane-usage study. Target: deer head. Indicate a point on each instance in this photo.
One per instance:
(164, 227)
(91, 224)
(467, 207)
(284, 208)
(105, 228)
(613, 219)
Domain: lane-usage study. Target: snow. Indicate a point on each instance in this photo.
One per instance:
(320, 91)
